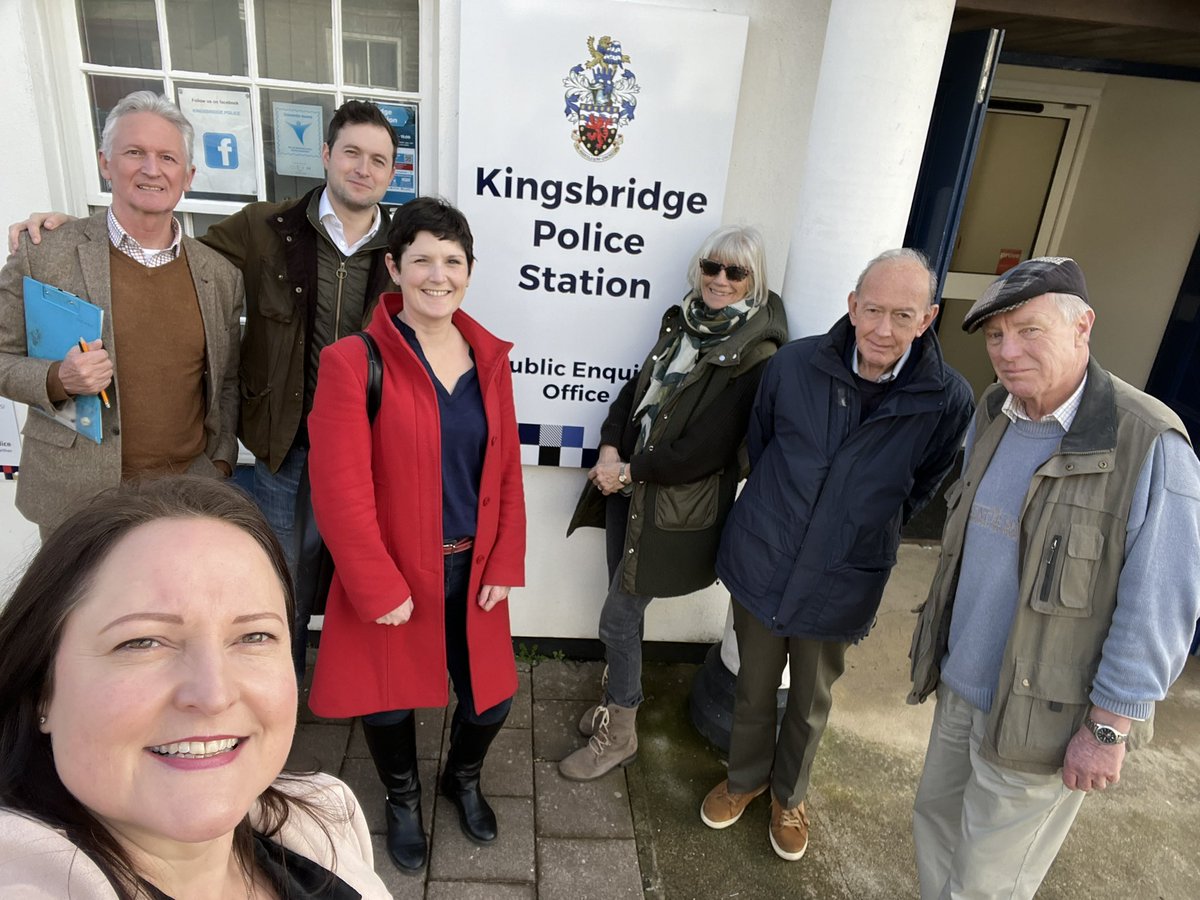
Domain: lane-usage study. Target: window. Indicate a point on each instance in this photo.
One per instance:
(274, 67)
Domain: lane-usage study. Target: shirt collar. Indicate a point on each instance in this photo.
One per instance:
(333, 226)
(891, 374)
(1064, 415)
(150, 257)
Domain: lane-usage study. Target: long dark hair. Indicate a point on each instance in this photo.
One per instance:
(31, 627)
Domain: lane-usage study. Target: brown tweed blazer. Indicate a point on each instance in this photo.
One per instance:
(59, 468)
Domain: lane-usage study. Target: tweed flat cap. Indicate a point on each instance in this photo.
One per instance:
(1032, 278)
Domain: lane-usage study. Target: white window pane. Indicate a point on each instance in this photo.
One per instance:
(207, 36)
(119, 33)
(293, 39)
(106, 90)
(391, 29)
(282, 186)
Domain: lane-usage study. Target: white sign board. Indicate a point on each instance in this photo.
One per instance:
(223, 152)
(593, 154)
(298, 139)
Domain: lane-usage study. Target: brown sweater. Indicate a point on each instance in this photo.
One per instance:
(160, 364)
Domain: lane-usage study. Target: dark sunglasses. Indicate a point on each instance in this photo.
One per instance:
(712, 269)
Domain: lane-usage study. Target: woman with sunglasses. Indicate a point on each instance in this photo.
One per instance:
(669, 466)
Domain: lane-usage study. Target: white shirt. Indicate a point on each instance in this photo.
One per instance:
(337, 234)
(890, 374)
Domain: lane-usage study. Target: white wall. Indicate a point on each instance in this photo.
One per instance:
(27, 156)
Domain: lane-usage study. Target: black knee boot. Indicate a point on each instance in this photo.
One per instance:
(394, 750)
(460, 779)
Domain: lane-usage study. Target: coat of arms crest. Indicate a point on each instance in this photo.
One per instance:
(600, 99)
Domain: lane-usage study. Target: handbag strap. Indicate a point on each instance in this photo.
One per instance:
(374, 375)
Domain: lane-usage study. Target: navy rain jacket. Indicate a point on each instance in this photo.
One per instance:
(812, 539)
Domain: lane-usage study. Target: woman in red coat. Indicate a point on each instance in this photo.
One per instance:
(424, 514)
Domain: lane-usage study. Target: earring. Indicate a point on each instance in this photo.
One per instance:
(41, 720)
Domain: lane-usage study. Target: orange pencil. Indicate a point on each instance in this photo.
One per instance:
(83, 348)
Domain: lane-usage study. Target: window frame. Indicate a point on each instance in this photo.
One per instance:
(82, 177)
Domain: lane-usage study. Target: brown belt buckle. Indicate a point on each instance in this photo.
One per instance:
(449, 548)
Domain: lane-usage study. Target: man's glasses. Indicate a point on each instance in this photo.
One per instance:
(712, 269)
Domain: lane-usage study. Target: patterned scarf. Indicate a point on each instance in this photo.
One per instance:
(703, 329)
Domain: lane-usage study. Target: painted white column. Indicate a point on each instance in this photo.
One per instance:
(879, 74)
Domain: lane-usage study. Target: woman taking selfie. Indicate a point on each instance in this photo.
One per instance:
(148, 706)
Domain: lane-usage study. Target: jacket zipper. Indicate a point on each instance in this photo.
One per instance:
(1051, 556)
(337, 312)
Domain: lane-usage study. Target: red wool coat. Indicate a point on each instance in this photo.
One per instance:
(377, 495)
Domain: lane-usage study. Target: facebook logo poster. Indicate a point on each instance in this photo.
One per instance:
(225, 159)
(220, 150)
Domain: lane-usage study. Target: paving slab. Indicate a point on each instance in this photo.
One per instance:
(508, 769)
(588, 870)
(510, 858)
(479, 890)
(318, 748)
(521, 714)
(402, 885)
(582, 809)
(556, 728)
(567, 680)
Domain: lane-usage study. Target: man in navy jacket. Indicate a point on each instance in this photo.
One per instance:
(851, 434)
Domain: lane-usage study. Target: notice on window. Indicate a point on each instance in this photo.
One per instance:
(299, 134)
(224, 153)
(10, 438)
(403, 119)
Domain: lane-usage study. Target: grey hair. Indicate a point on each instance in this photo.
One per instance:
(146, 101)
(737, 245)
(907, 254)
(1071, 306)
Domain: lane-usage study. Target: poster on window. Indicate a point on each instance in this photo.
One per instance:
(10, 439)
(223, 152)
(403, 119)
(299, 135)
(593, 155)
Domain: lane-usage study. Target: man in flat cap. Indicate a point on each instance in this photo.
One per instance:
(1066, 596)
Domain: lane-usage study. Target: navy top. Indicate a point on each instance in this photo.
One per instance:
(464, 438)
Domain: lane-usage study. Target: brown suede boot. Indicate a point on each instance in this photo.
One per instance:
(613, 744)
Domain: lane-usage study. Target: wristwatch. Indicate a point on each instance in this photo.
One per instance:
(1105, 734)
(621, 476)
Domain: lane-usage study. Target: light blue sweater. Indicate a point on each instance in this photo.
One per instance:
(1158, 594)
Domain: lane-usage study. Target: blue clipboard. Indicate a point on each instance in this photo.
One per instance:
(55, 320)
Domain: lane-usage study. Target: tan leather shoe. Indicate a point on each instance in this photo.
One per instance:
(788, 831)
(722, 807)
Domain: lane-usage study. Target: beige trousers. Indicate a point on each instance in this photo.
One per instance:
(983, 831)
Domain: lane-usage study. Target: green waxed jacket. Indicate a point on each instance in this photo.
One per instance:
(275, 247)
(1072, 543)
(685, 478)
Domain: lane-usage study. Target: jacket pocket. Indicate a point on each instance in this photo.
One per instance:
(1068, 571)
(276, 296)
(688, 507)
(40, 427)
(1046, 704)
